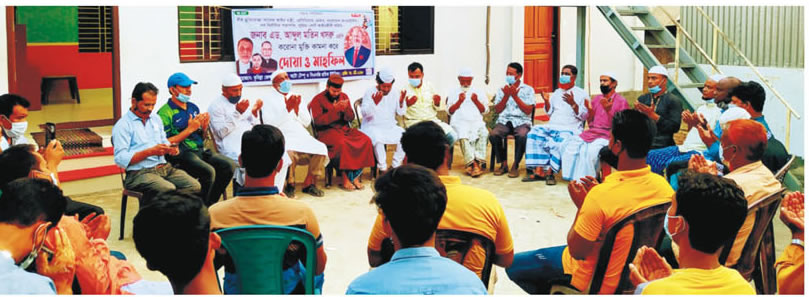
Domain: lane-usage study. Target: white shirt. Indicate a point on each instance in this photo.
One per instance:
(228, 125)
(561, 113)
(379, 120)
(467, 119)
(4, 145)
(693, 142)
(242, 67)
(293, 126)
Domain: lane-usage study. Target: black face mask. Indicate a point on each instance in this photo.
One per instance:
(332, 99)
(234, 99)
(605, 89)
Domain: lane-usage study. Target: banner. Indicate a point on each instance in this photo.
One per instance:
(307, 44)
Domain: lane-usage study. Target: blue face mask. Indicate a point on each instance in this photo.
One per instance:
(564, 79)
(510, 79)
(414, 82)
(183, 97)
(655, 89)
(710, 101)
(234, 99)
(285, 86)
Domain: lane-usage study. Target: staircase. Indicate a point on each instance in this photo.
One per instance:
(664, 40)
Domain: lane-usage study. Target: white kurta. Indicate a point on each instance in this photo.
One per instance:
(228, 125)
(379, 120)
(467, 119)
(562, 116)
(296, 137)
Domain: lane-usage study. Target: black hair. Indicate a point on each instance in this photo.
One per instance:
(415, 65)
(8, 101)
(714, 208)
(262, 148)
(25, 201)
(16, 162)
(750, 92)
(573, 69)
(516, 67)
(171, 232)
(262, 44)
(244, 39)
(425, 144)
(413, 200)
(143, 87)
(635, 131)
(256, 54)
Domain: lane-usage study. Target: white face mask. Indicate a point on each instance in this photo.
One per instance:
(465, 89)
(17, 129)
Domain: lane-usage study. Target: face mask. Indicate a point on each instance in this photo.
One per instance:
(234, 99)
(666, 225)
(605, 90)
(34, 250)
(564, 79)
(465, 89)
(183, 97)
(285, 86)
(17, 129)
(655, 89)
(510, 79)
(414, 82)
(710, 101)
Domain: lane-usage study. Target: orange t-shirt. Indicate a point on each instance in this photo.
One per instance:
(468, 209)
(621, 194)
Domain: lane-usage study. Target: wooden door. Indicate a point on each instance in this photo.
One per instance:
(539, 48)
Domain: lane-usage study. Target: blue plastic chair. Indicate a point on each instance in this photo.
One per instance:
(258, 253)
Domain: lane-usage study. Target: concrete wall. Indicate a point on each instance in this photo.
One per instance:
(149, 52)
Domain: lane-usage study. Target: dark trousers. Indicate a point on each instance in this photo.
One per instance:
(82, 209)
(499, 140)
(159, 179)
(214, 171)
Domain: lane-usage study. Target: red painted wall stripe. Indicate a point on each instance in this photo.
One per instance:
(92, 70)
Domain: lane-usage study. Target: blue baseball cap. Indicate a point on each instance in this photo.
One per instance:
(180, 79)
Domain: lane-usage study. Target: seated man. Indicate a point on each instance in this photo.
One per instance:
(379, 109)
(633, 187)
(184, 124)
(468, 208)
(566, 107)
(664, 108)
(705, 213)
(466, 106)
(173, 234)
(706, 114)
(285, 111)
(258, 203)
(514, 104)
(422, 102)
(412, 200)
(140, 145)
(350, 148)
(28, 209)
(580, 154)
(789, 267)
(13, 116)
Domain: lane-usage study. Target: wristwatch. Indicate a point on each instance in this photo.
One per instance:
(798, 242)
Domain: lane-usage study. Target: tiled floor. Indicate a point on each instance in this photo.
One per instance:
(539, 216)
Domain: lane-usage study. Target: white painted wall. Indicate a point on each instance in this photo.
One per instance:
(3, 57)
(149, 52)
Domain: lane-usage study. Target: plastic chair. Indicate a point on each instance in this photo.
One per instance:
(124, 195)
(648, 231)
(758, 255)
(329, 167)
(258, 253)
(781, 174)
(457, 243)
(510, 136)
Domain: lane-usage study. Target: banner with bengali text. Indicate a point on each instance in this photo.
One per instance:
(307, 44)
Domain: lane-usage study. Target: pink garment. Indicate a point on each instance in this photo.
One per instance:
(96, 270)
(601, 125)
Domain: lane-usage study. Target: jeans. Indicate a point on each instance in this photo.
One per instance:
(213, 170)
(80, 208)
(534, 271)
(159, 179)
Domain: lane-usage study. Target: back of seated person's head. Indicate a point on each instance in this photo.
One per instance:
(743, 138)
(635, 131)
(750, 92)
(425, 144)
(713, 207)
(262, 149)
(16, 162)
(172, 233)
(413, 200)
(27, 201)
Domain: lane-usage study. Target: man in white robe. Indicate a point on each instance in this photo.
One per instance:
(466, 106)
(379, 106)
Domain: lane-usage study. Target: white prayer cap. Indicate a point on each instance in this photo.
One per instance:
(231, 80)
(465, 72)
(385, 75)
(717, 77)
(609, 74)
(659, 70)
(275, 74)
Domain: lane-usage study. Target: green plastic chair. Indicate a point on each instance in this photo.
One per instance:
(258, 252)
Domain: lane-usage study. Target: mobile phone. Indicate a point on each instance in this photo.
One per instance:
(50, 133)
(174, 144)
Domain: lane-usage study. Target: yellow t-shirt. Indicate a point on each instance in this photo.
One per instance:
(468, 209)
(621, 194)
(693, 281)
(789, 269)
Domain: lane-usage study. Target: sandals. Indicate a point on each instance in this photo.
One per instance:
(532, 177)
(312, 190)
(550, 179)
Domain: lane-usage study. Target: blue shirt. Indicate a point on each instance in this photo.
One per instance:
(15, 280)
(418, 271)
(713, 152)
(130, 135)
